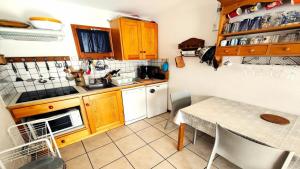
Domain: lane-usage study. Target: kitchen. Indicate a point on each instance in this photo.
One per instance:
(117, 99)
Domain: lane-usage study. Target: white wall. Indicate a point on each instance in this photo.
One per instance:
(6, 121)
(275, 87)
(68, 13)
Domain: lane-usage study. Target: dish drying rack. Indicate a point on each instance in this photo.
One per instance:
(25, 34)
(34, 141)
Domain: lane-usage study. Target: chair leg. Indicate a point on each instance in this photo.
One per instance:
(167, 123)
(195, 136)
(211, 159)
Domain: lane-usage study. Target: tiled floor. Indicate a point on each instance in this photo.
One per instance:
(142, 145)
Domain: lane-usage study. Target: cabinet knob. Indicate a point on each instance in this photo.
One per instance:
(252, 50)
(87, 104)
(287, 49)
(62, 141)
(50, 107)
(226, 51)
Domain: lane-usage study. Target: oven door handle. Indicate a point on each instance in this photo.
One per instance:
(57, 116)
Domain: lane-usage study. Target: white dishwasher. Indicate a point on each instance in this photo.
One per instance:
(134, 104)
(157, 99)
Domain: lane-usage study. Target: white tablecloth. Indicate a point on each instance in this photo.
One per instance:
(243, 119)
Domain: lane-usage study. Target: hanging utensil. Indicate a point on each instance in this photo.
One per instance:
(41, 80)
(27, 70)
(58, 65)
(48, 69)
(89, 69)
(18, 78)
(101, 65)
(67, 70)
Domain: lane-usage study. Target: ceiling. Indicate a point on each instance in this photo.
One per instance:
(146, 8)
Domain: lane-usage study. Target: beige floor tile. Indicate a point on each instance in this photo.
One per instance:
(119, 132)
(150, 134)
(138, 125)
(104, 155)
(144, 158)
(203, 147)
(165, 146)
(161, 126)
(222, 163)
(165, 115)
(121, 163)
(72, 151)
(130, 143)
(164, 165)
(186, 159)
(154, 120)
(79, 163)
(187, 139)
(96, 141)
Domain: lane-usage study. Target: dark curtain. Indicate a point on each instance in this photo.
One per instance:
(94, 41)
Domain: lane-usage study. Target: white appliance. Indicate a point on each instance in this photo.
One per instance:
(157, 99)
(134, 103)
(62, 122)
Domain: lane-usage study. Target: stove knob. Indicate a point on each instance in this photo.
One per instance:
(50, 107)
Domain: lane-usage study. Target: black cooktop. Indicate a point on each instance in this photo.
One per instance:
(47, 93)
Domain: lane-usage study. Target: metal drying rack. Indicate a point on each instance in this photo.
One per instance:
(285, 60)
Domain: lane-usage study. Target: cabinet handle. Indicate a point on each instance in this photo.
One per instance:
(286, 49)
(87, 104)
(252, 50)
(50, 107)
(226, 51)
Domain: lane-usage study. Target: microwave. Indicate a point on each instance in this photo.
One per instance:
(61, 122)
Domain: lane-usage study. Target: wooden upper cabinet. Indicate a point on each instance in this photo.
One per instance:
(134, 39)
(149, 40)
(92, 42)
(131, 35)
(104, 111)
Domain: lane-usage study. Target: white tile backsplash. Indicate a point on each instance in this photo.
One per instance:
(9, 90)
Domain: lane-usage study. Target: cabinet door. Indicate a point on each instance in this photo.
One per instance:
(131, 35)
(149, 40)
(105, 111)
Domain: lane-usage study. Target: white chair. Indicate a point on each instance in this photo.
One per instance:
(180, 100)
(247, 154)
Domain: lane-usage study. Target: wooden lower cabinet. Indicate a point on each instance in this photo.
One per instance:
(104, 111)
(71, 138)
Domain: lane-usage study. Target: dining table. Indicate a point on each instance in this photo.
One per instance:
(243, 119)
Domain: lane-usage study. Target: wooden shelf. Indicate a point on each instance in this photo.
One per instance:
(275, 49)
(273, 29)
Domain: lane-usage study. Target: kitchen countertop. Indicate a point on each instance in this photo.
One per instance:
(82, 92)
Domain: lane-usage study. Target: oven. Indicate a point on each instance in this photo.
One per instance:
(62, 121)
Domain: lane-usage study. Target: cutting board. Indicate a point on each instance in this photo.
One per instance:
(14, 24)
(275, 119)
(179, 62)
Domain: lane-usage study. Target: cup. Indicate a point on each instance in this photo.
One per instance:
(235, 13)
(224, 43)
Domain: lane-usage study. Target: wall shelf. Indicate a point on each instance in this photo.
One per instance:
(272, 29)
(24, 34)
(275, 49)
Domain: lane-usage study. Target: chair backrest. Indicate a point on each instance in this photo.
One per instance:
(248, 154)
(180, 100)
